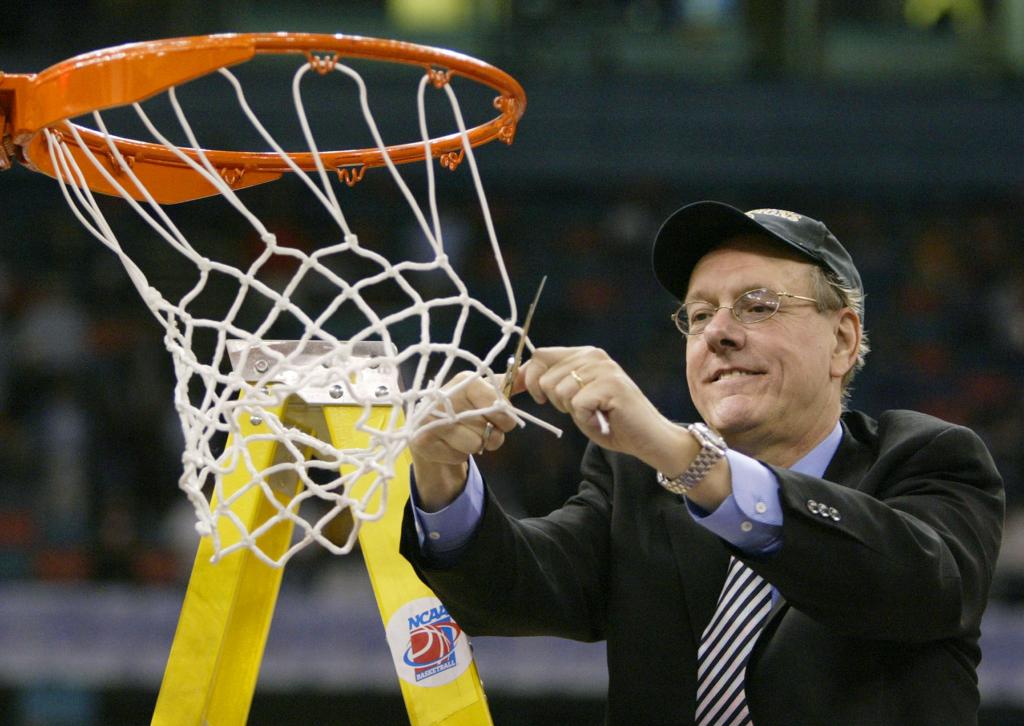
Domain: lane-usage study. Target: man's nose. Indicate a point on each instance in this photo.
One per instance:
(723, 330)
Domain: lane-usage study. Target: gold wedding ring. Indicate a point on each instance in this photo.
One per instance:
(576, 377)
(488, 430)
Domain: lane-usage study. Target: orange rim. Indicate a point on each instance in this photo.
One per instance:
(130, 73)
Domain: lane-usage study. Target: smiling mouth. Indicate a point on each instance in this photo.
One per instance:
(727, 375)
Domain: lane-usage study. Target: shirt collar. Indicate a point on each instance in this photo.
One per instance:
(817, 459)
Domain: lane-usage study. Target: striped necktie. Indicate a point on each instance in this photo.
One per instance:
(725, 646)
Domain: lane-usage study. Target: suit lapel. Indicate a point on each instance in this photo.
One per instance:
(702, 561)
(701, 557)
(848, 466)
(851, 461)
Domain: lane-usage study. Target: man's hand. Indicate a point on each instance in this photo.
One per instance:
(583, 381)
(440, 455)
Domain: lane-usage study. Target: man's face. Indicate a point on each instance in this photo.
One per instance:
(771, 383)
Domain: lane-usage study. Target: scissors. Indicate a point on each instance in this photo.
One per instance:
(516, 360)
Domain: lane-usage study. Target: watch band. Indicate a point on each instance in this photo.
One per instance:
(712, 450)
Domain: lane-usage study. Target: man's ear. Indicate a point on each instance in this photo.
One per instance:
(847, 332)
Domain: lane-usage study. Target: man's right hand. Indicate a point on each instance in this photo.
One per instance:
(440, 455)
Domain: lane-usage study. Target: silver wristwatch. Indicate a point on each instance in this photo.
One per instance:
(712, 449)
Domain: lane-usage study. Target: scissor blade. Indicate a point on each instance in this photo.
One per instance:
(510, 375)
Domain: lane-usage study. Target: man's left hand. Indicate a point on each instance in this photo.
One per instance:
(584, 381)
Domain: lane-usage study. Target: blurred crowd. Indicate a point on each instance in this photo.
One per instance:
(90, 441)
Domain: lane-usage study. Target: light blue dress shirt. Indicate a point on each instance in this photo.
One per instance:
(750, 518)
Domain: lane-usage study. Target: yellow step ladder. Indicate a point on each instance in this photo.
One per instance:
(225, 619)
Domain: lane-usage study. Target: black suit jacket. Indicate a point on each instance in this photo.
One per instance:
(879, 617)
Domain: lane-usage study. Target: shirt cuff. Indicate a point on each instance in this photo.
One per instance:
(751, 517)
(446, 531)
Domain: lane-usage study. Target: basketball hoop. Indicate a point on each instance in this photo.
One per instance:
(249, 387)
(131, 73)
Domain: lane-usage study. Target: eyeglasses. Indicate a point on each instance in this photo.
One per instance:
(753, 306)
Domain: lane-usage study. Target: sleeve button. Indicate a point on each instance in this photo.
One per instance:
(746, 526)
(812, 506)
(760, 507)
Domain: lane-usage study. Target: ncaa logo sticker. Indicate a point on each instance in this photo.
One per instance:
(427, 645)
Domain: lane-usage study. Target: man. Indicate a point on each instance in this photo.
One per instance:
(817, 566)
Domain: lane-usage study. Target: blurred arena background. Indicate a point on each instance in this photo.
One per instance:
(898, 122)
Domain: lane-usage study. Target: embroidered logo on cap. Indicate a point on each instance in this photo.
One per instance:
(791, 216)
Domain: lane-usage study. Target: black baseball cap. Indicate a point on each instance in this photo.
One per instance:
(694, 230)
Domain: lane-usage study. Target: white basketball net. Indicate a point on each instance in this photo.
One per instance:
(236, 391)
